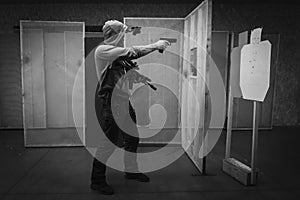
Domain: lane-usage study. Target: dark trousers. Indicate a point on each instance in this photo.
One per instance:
(117, 119)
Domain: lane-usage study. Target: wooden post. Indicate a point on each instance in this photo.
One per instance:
(229, 123)
(256, 110)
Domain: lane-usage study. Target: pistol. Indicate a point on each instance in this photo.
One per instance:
(171, 40)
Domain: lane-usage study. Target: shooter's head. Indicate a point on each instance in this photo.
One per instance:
(114, 32)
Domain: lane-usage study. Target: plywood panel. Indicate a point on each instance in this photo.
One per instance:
(188, 86)
(192, 99)
(192, 105)
(74, 60)
(193, 28)
(166, 73)
(184, 87)
(52, 59)
(56, 91)
(199, 31)
(27, 79)
(38, 79)
(200, 14)
(33, 75)
(161, 68)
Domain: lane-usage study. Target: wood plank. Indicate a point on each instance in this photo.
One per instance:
(189, 88)
(193, 37)
(74, 60)
(243, 38)
(184, 87)
(38, 79)
(198, 150)
(27, 79)
(202, 70)
(237, 170)
(200, 88)
(208, 45)
(192, 106)
(229, 125)
(48, 86)
(56, 95)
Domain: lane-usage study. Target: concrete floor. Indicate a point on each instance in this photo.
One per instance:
(63, 173)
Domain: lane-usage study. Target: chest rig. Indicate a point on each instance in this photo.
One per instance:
(122, 71)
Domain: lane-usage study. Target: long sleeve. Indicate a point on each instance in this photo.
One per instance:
(106, 54)
(111, 53)
(144, 50)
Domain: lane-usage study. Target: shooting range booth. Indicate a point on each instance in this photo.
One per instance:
(59, 81)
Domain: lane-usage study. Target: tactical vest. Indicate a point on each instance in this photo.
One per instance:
(114, 79)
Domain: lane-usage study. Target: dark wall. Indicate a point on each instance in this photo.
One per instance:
(91, 14)
(278, 18)
(274, 18)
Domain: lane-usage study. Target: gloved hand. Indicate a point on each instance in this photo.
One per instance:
(162, 44)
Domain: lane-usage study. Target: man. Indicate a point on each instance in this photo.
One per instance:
(112, 112)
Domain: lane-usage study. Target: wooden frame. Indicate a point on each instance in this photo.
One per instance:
(203, 33)
(238, 170)
(50, 135)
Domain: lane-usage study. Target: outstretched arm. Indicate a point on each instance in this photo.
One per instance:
(144, 50)
(111, 53)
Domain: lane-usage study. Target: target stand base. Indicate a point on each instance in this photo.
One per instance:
(238, 170)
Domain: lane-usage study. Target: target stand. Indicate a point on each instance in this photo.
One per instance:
(249, 79)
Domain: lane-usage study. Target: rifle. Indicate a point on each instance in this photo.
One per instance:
(134, 76)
